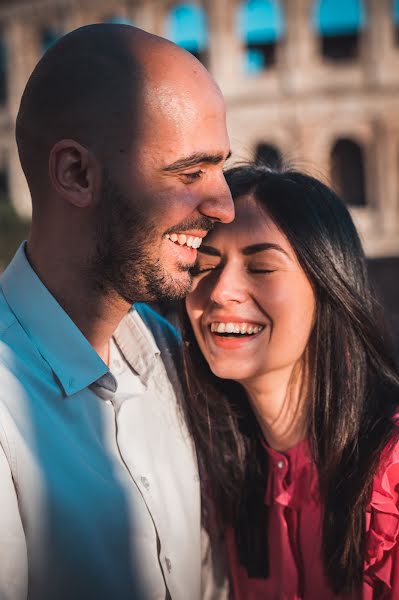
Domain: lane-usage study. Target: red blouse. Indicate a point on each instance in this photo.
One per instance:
(294, 531)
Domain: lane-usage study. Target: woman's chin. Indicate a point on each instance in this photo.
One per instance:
(230, 372)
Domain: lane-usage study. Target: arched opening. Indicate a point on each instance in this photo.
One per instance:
(269, 155)
(118, 20)
(348, 173)
(395, 15)
(187, 26)
(3, 72)
(339, 23)
(4, 189)
(48, 37)
(260, 25)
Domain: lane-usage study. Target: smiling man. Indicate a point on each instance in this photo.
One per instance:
(122, 139)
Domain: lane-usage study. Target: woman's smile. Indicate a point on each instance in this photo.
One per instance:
(252, 306)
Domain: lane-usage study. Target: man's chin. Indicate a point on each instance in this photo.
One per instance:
(165, 287)
(175, 288)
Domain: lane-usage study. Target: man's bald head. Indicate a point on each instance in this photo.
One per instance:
(90, 87)
(122, 136)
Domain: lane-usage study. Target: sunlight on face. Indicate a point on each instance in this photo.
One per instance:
(252, 307)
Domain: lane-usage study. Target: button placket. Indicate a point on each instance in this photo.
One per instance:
(145, 482)
(168, 564)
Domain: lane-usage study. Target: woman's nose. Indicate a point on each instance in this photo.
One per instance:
(229, 287)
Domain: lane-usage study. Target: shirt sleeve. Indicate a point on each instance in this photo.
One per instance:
(214, 581)
(13, 553)
(382, 524)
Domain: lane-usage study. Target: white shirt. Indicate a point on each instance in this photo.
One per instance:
(99, 490)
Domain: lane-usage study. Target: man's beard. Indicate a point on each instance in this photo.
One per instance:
(122, 262)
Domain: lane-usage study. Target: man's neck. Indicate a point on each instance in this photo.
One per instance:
(96, 314)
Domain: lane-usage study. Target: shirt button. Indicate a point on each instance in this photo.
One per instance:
(280, 464)
(145, 482)
(117, 364)
(168, 564)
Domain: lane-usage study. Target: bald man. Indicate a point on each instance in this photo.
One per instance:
(122, 139)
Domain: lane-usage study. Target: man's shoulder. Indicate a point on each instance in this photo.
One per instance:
(7, 317)
(17, 355)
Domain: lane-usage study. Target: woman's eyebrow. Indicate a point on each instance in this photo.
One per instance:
(209, 250)
(254, 248)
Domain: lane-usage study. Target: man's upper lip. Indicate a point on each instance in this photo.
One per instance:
(193, 232)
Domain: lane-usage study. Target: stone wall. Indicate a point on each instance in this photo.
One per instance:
(301, 106)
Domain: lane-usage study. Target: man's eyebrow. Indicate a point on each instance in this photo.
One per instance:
(210, 250)
(196, 159)
(254, 248)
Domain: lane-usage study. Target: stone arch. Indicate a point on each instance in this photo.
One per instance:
(48, 37)
(118, 20)
(187, 26)
(260, 25)
(348, 171)
(4, 182)
(4, 186)
(3, 70)
(268, 154)
(395, 17)
(339, 23)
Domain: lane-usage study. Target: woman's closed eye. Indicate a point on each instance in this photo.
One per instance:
(261, 268)
(199, 268)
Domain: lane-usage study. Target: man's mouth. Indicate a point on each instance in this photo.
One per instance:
(184, 240)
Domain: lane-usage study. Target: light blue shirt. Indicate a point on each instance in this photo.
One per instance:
(99, 490)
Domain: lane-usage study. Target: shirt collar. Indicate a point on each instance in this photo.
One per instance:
(57, 338)
(137, 344)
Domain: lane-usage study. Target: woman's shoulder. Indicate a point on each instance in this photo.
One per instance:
(382, 518)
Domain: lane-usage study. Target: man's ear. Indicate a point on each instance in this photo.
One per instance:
(73, 173)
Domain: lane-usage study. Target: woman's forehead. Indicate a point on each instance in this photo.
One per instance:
(252, 223)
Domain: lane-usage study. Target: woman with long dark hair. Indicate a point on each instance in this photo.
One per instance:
(292, 396)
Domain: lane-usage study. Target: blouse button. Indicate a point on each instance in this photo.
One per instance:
(280, 464)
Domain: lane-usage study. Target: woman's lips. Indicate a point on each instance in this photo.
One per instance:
(231, 342)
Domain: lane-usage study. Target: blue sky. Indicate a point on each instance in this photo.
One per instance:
(187, 25)
(339, 16)
(263, 20)
(260, 21)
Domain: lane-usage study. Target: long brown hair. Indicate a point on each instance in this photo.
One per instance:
(354, 393)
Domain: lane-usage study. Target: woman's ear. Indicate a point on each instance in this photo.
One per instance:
(73, 172)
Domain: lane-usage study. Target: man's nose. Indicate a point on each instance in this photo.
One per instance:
(218, 203)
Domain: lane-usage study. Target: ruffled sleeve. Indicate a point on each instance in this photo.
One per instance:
(382, 525)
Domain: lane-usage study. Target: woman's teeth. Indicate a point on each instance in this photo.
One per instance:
(243, 328)
(184, 240)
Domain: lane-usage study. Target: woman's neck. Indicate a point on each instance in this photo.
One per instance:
(278, 401)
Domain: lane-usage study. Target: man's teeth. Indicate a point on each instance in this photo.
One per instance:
(243, 328)
(184, 240)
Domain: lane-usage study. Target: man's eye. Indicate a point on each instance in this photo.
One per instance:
(191, 177)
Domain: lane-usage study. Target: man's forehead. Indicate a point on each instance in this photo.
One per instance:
(183, 96)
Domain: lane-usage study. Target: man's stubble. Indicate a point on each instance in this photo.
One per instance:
(125, 259)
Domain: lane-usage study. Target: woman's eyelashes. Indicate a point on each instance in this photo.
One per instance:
(261, 269)
(200, 268)
(197, 269)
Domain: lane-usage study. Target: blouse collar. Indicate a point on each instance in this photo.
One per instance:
(292, 479)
